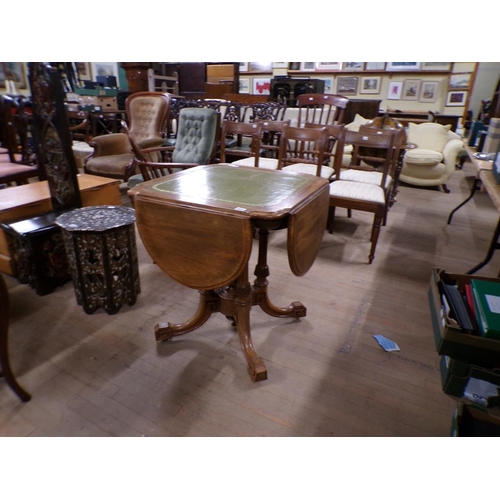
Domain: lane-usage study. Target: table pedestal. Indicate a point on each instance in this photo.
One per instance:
(235, 301)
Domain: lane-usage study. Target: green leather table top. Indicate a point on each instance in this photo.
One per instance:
(243, 187)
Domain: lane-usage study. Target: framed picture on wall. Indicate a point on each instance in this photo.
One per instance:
(459, 81)
(374, 66)
(307, 66)
(456, 98)
(328, 84)
(261, 86)
(370, 85)
(327, 65)
(411, 90)
(15, 71)
(84, 71)
(280, 65)
(347, 85)
(352, 66)
(428, 91)
(403, 66)
(260, 67)
(105, 69)
(294, 66)
(244, 86)
(243, 67)
(394, 90)
(435, 66)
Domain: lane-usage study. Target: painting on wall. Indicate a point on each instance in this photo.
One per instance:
(105, 69)
(328, 65)
(428, 91)
(375, 66)
(260, 67)
(411, 90)
(328, 84)
(307, 66)
(459, 81)
(15, 71)
(403, 66)
(244, 86)
(456, 98)
(394, 91)
(352, 66)
(84, 71)
(347, 85)
(261, 86)
(370, 85)
(436, 66)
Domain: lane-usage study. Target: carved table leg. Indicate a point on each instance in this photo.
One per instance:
(209, 304)
(243, 305)
(260, 297)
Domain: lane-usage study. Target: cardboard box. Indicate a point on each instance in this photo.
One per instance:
(107, 103)
(101, 91)
(455, 375)
(450, 339)
(472, 421)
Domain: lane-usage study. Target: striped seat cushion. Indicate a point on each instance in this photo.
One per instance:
(269, 163)
(357, 191)
(365, 176)
(307, 168)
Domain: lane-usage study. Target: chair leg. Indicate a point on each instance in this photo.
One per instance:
(444, 187)
(377, 220)
(349, 213)
(331, 217)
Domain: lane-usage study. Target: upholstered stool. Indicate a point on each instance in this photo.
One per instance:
(101, 249)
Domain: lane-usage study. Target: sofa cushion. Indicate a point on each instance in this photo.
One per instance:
(428, 135)
(355, 124)
(420, 156)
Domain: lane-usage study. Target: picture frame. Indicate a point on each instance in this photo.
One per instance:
(370, 85)
(280, 65)
(84, 71)
(347, 85)
(394, 90)
(459, 81)
(15, 71)
(244, 85)
(328, 66)
(261, 86)
(352, 66)
(375, 66)
(105, 69)
(435, 66)
(260, 67)
(428, 91)
(307, 66)
(411, 90)
(243, 67)
(294, 66)
(403, 66)
(456, 98)
(328, 84)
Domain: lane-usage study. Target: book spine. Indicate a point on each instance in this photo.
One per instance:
(479, 314)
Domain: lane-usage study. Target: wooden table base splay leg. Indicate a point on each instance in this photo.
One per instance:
(260, 297)
(209, 304)
(243, 305)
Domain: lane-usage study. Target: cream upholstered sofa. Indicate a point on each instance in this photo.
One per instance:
(433, 161)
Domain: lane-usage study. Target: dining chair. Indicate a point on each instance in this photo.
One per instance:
(248, 135)
(113, 155)
(271, 133)
(327, 109)
(302, 150)
(363, 196)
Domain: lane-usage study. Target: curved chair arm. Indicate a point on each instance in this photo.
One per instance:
(110, 144)
(450, 153)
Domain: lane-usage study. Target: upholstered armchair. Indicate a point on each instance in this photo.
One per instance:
(114, 154)
(433, 161)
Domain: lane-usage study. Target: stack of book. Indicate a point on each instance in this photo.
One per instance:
(475, 308)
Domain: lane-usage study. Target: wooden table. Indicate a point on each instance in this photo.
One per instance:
(33, 199)
(198, 226)
(493, 189)
(479, 165)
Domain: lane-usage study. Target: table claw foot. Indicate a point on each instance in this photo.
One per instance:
(298, 310)
(257, 369)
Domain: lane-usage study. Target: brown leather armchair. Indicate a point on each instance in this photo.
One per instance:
(113, 155)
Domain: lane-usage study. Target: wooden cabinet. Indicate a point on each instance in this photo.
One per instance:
(30, 200)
